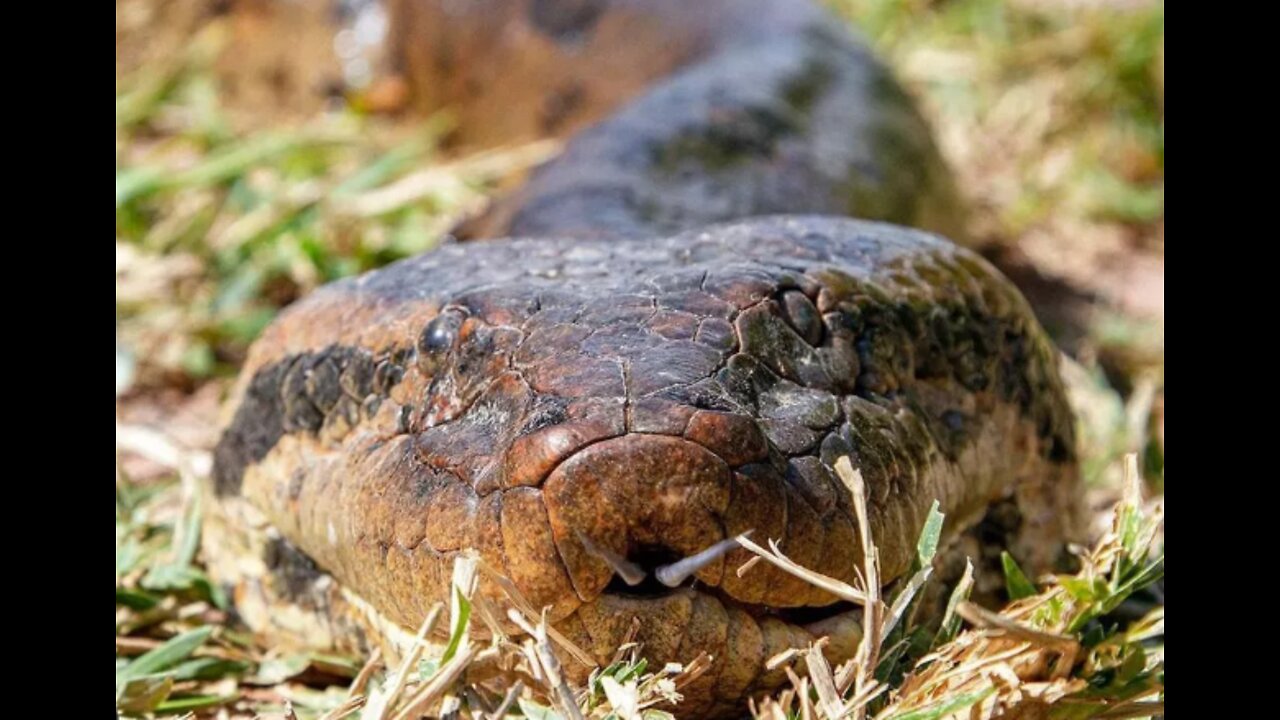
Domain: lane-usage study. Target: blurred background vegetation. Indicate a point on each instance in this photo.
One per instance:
(1051, 113)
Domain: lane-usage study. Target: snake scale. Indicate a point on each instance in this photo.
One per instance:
(680, 332)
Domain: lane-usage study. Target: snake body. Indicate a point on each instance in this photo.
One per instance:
(620, 384)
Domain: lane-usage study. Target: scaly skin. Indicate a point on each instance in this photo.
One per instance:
(634, 383)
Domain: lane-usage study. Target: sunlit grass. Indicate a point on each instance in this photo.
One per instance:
(217, 230)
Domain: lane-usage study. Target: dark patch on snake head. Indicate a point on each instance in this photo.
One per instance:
(324, 391)
(321, 384)
(257, 426)
(387, 375)
(565, 21)
(294, 571)
(299, 411)
(356, 379)
(806, 88)
(547, 410)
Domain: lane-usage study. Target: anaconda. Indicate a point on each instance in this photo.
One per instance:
(622, 385)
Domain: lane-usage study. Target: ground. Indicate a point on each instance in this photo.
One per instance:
(1050, 112)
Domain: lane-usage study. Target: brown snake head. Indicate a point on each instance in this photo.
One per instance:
(573, 409)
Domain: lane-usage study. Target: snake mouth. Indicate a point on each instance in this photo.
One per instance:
(642, 515)
(652, 589)
(645, 526)
(672, 574)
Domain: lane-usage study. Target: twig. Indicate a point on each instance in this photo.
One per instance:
(347, 707)
(774, 556)
(507, 701)
(1067, 647)
(548, 664)
(868, 654)
(362, 678)
(381, 704)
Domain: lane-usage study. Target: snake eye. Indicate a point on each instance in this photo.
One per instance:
(437, 339)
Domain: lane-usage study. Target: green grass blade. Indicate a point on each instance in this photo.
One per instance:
(190, 703)
(1015, 580)
(460, 624)
(172, 652)
(950, 707)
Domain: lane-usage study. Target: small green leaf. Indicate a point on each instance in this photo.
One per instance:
(136, 182)
(1135, 663)
(189, 703)
(631, 671)
(951, 621)
(129, 555)
(135, 599)
(142, 694)
(950, 707)
(534, 711)
(207, 668)
(1083, 589)
(1015, 581)
(198, 360)
(176, 579)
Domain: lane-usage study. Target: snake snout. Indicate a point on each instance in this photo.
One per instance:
(649, 511)
(631, 504)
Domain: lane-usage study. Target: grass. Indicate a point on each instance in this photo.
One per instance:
(1053, 650)
(1053, 121)
(216, 230)
(1072, 101)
